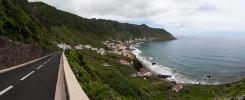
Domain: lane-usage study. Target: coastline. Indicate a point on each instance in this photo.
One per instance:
(154, 73)
(147, 67)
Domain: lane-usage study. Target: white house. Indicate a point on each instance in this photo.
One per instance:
(87, 46)
(101, 51)
(64, 46)
(94, 49)
(79, 46)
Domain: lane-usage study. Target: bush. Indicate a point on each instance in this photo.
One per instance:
(121, 85)
(137, 65)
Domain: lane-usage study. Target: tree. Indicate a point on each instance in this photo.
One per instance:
(137, 64)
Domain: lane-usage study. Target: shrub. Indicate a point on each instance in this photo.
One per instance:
(137, 64)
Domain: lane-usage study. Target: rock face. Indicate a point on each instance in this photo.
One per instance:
(13, 53)
(242, 97)
(163, 76)
(75, 71)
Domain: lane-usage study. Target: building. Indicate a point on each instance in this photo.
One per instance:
(114, 47)
(120, 47)
(104, 43)
(101, 51)
(105, 64)
(87, 47)
(142, 73)
(125, 54)
(177, 87)
(124, 62)
(95, 49)
(117, 52)
(64, 46)
(79, 46)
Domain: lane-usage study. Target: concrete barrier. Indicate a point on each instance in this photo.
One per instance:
(60, 92)
(74, 90)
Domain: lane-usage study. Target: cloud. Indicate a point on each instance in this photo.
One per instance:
(208, 15)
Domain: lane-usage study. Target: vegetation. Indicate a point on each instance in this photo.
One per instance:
(137, 64)
(40, 24)
(100, 82)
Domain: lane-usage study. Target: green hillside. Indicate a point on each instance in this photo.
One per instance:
(38, 23)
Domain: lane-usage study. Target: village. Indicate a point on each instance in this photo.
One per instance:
(119, 48)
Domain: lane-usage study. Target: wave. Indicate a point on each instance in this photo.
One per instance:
(176, 76)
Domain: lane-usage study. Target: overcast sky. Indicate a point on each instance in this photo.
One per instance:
(173, 15)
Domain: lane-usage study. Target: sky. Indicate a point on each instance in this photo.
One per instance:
(179, 17)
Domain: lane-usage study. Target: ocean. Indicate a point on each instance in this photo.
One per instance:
(190, 59)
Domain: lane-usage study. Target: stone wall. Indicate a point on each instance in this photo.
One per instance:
(13, 53)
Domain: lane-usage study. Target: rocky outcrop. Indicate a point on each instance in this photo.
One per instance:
(13, 53)
(75, 71)
(163, 76)
(242, 97)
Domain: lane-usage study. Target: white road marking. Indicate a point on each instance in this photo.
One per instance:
(39, 66)
(46, 61)
(27, 75)
(5, 90)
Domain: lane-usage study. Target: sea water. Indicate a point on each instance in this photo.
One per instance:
(190, 59)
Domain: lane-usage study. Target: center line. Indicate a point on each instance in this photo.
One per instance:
(5, 90)
(27, 75)
(39, 66)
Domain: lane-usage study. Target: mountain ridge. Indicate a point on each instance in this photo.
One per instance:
(41, 24)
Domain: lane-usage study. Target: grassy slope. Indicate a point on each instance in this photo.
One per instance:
(116, 78)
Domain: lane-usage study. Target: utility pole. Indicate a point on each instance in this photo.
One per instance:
(198, 89)
(150, 87)
(40, 41)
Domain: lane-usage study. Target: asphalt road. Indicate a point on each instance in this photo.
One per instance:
(35, 81)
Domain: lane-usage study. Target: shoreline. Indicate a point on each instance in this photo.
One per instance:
(154, 73)
(145, 66)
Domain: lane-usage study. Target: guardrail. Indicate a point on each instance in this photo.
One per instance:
(67, 87)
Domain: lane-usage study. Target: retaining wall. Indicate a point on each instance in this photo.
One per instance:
(13, 53)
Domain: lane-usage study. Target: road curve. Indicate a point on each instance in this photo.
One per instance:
(35, 81)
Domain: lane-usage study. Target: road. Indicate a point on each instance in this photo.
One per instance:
(35, 81)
